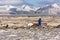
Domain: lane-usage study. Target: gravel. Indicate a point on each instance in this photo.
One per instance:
(27, 34)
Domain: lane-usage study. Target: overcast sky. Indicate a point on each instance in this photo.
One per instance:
(32, 2)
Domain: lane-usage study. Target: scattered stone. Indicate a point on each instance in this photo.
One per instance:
(4, 25)
(58, 26)
(27, 34)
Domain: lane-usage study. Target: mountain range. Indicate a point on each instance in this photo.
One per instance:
(53, 9)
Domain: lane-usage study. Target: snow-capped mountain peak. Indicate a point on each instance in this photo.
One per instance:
(52, 9)
(27, 8)
(55, 5)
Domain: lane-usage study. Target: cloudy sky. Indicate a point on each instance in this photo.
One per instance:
(28, 2)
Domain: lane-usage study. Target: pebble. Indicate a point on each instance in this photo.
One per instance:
(27, 34)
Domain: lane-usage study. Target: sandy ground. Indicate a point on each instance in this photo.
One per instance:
(27, 34)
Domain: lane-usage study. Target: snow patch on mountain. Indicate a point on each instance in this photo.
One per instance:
(27, 8)
(55, 5)
(53, 9)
